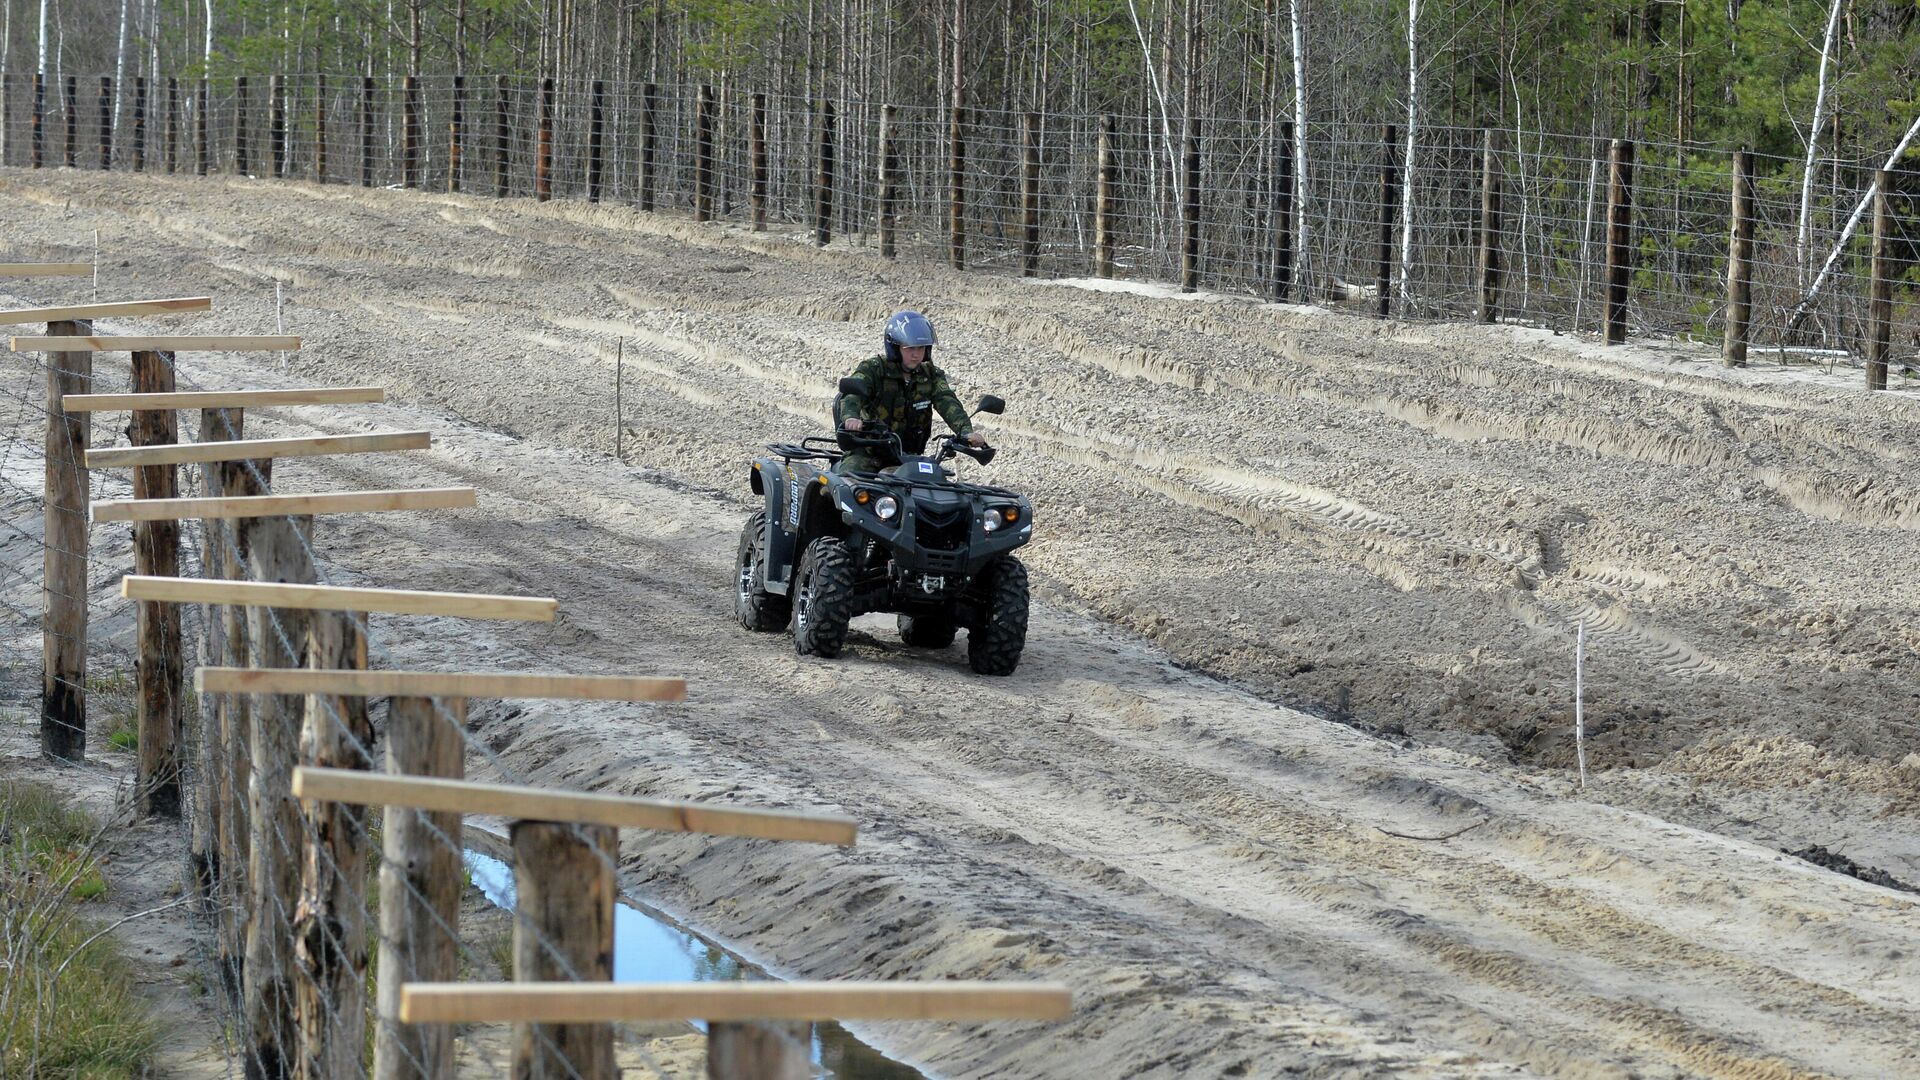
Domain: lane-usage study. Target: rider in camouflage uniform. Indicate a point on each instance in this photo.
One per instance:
(903, 391)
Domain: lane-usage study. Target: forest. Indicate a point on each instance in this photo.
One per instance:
(1785, 78)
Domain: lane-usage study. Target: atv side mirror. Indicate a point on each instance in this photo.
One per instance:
(991, 404)
(852, 386)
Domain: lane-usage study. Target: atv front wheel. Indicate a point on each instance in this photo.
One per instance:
(994, 646)
(823, 598)
(926, 631)
(756, 608)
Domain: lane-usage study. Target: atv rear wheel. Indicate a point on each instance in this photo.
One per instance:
(927, 631)
(994, 646)
(756, 608)
(822, 598)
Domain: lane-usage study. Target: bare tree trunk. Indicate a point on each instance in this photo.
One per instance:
(1406, 182)
(1803, 236)
(1303, 251)
(120, 67)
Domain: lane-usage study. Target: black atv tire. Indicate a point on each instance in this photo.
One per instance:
(927, 631)
(993, 647)
(756, 608)
(822, 598)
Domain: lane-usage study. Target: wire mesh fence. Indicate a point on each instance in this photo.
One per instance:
(310, 906)
(1352, 218)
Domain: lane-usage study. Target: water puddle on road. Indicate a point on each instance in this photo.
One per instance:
(648, 947)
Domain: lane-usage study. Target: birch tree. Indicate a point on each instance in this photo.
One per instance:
(1302, 249)
(1407, 174)
(1803, 236)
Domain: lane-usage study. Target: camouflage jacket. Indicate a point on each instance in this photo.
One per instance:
(904, 401)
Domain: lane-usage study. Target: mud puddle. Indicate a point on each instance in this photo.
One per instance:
(649, 947)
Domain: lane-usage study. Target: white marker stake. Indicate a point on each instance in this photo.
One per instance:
(279, 319)
(1579, 708)
(96, 266)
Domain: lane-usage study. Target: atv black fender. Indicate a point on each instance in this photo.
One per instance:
(796, 512)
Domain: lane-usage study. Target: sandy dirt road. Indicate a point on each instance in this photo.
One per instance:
(1242, 509)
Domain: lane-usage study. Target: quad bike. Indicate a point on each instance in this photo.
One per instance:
(909, 539)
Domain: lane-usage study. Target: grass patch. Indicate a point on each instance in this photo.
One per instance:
(67, 1003)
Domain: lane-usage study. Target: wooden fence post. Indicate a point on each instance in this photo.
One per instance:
(759, 1050)
(140, 123)
(212, 818)
(823, 181)
(502, 139)
(649, 144)
(419, 887)
(1285, 191)
(1030, 194)
(73, 120)
(703, 154)
(156, 552)
(757, 151)
(277, 129)
(1104, 202)
(410, 132)
(63, 684)
(1733, 345)
(1490, 227)
(320, 130)
(106, 122)
(1619, 238)
(366, 131)
(277, 550)
(235, 769)
(1880, 296)
(173, 125)
(562, 932)
(201, 130)
(596, 139)
(39, 119)
(889, 193)
(330, 925)
(241, 162)
(457, 133)
(543, 166)
(1190, 212)
(957, 189)
(1383, 272)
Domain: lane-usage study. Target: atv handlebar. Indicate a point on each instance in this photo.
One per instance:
(955, 444)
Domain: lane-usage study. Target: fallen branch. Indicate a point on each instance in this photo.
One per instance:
(1813, 292)
(1443, 836)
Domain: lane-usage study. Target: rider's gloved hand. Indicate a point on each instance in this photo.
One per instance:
(852, 423)
(976, 440)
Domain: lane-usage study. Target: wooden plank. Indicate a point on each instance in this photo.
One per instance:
(255, 449)
(106, 311)
(586, 808)
(342, 502)
(19, 270)
(572, 1002)
(339, 598)
(477, 684)
(225, 399)
(188, 343)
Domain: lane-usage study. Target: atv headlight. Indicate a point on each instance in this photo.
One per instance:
(991, 522)
(886, 508)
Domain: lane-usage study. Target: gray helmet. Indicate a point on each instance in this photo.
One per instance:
(907, 328)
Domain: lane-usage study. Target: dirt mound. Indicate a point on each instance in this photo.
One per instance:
(1840, 864)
